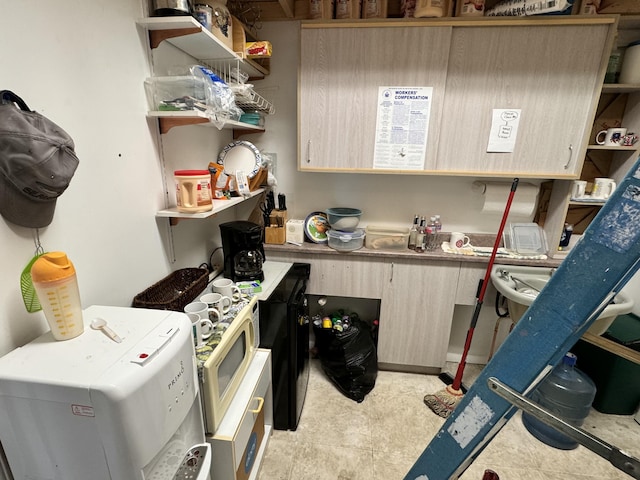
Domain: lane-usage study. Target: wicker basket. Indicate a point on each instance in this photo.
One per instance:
(174, 291)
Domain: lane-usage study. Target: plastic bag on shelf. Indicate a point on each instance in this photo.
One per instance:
(220, 99)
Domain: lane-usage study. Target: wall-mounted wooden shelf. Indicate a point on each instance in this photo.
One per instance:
(168, 120)
(187, 34)
(175, 216)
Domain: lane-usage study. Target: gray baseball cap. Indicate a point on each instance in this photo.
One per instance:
(37, 161)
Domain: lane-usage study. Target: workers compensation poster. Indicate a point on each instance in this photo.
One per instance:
(402, 127)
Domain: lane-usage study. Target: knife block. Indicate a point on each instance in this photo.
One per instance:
(276, 233)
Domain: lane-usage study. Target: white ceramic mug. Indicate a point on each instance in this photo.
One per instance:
(579, 187)
(204, 311)
(612, 137)
(603, 188)
(227, 288)
(218, 301)
(458, 240)
(198, 327)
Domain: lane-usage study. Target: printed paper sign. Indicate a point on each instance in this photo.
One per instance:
(402, 127)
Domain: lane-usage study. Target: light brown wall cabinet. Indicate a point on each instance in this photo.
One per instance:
(340, 72)
(618, 104)
(551, 69)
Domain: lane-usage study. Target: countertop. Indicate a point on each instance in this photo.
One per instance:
(480, 240)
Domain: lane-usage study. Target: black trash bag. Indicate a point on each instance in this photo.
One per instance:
(349, 358)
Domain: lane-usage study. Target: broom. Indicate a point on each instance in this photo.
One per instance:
(443, 402)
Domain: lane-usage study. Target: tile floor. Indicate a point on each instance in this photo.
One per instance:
(380, 438)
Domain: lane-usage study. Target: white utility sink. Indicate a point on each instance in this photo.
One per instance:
(521, 285)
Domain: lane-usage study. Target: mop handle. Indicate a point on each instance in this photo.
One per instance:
(496, 244)
(457, 381)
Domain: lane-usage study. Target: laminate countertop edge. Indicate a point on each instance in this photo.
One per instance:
(308, 248)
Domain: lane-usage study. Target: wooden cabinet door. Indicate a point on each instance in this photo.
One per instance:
(552, 73)
(341, 70)
(416, 314)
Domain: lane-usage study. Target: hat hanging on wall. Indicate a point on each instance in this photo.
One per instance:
(37, 161)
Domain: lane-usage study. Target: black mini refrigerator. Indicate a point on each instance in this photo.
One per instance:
(284, 329)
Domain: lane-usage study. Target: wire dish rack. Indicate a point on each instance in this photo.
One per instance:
(251, 100)
(246, 98)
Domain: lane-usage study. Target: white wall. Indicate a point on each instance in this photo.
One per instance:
(83, 64)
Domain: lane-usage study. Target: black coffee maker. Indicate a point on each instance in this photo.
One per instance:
(243, 250)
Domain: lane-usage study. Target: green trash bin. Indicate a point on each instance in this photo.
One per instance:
(617, 379)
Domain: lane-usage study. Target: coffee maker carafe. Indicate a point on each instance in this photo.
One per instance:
(243, 250)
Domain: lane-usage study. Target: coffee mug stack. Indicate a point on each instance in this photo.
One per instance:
(201, 325)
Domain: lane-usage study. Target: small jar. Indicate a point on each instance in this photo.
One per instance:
(204, 14)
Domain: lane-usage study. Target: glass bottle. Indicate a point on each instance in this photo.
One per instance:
(438, 224)
(413, 232)
(420, 245)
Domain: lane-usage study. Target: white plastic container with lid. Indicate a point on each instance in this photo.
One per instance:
(630, 71)
(193, 191)
(388, 238)
(55, 282)
(346, 241)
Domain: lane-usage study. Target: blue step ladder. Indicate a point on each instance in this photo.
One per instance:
(593, 272)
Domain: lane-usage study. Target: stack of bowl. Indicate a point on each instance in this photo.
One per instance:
(344, 235)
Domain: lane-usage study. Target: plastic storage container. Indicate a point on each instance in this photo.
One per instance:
(567, 393)
(346, 241)
(525, 239)
(394, 238)
(55, 282)
(176, 93)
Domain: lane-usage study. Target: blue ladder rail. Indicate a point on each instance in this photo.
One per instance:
(594, 271)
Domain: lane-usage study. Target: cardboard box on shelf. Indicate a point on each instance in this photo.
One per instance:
(619, 6)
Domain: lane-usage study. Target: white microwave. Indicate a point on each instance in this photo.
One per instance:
(225, 368)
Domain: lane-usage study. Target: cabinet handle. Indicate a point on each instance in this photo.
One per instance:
(566, 166)
(391, 277)
(309, 151)
(260, 404)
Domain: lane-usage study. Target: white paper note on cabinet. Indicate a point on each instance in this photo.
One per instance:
(504, 130)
